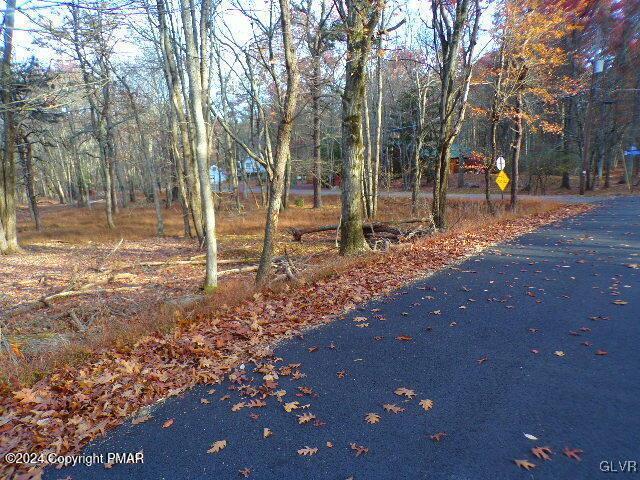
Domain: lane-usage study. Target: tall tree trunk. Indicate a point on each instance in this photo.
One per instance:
(516, 149)
(368, 168)
(194, 60)
(153, 178)
(317, 159)
(26, 158)
(377, 146)
(361, 19)
(454, 90)
(283, 139)
(9, 241)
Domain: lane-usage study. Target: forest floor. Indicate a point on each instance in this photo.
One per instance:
(118, 292)
(156, 351)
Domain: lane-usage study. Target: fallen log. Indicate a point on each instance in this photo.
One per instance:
(368, 229)
(46, 301)
(196, 261)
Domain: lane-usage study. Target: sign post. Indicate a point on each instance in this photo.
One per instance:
(502, 179)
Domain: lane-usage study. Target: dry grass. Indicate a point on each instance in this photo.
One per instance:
(239, 236)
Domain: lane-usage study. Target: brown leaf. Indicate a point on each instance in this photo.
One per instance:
(404, 338)
(602, 352)
(542, 453)
(372, 418)
(481, 360)
(526, 464)
(329, 445)
(238, 406)
(266, 433)
(359, 449)
(404, 392)
(436, 437)
(217, 446)
(256, 403)
(167, 423)
(305, 418)
(307, 451)
(426, 404)
(204, 401)
(245, 472)
(620, 302)
(392, 407)
(289, 407)
(573, 453)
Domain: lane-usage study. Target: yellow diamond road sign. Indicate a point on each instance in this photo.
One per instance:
(502, 180)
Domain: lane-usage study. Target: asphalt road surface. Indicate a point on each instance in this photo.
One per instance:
(473, 330)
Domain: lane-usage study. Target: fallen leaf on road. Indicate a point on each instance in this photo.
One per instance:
(404, 392)
(392, 407)
(359, 449)
(535, 351)
(526, 464)
(530, 437)
(305, 418)
(167, 423)
(620, 302)
(217, 446)
(436, 437)
(481, 360)
(266, 433)
(404, 338)
(238, 406)
(245, 472)
(307, 451)
(542, 453)
(204, 401)
(426, 404)
(602, 352)
(329, 445)
(289, 407)
(559, 353)
(372, 418)
(573, 453)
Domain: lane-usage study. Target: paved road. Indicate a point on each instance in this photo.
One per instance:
(555, 281)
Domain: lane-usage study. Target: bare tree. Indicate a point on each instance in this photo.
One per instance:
(360, 19)
(196, 63)
(8, 223)
(455, 29)
(283, 142)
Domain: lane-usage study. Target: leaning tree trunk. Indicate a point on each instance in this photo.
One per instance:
(517, 147)
(283, 139)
